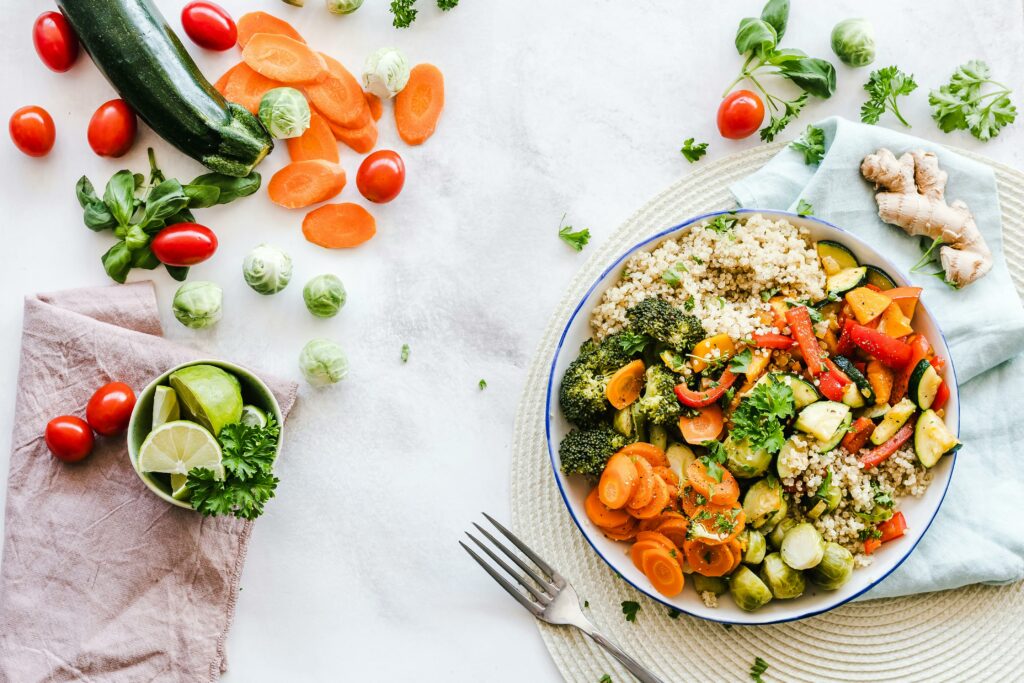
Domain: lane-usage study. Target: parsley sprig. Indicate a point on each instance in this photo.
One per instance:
(577, 240)
(630, 608)
(962, 105)
(760, 417)
(804, 208)
(693, 151)
(884, 86)
(811, 144)
(758, 669)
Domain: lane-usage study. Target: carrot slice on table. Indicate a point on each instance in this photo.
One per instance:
(360, 140)
(339, 97)
(647, 451)
(706, 425)
(303, 183)
(221, 84)
(284, 59)
(602, 515)
(645, 484)
(723, 492)
(624, 385)
(618, 481)
(339, 226)
(316, 143)
(418, 106)
(709, 560)
(251, 23)
(663, 571)
(247, 87)
(658, 503)
(375, 105)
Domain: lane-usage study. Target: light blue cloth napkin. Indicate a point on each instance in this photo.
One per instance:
(978, 536)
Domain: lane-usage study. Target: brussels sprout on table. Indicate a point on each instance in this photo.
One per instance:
(386, 72)
(323, 362)
(267, 269)
(343, 6)
(284, 112)
(748, 592)
(835, 568)
(198, 304)
(324, 295)
(782, 580)
(853, 41)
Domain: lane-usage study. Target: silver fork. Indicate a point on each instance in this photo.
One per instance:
(550, 597)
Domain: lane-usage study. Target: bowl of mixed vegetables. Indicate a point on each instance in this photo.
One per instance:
(752, 416)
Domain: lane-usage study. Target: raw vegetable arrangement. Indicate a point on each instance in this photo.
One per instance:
(757, 434)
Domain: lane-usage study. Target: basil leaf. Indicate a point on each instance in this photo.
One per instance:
(201, 196)
(117, 262)
(119, 196)
(85, 192)
(179, 273)
(231, 188)
(144, 258)
(786, 54)
(755, 35)
(164, 200)
(776, 14)
(136, 237)
(816, 76)
(183, 216)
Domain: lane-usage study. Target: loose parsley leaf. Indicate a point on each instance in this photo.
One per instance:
(884, 86)
(779, 120)
(741, 361)
(445, 5)
(714, 458)
(767, 294)
(689, 303)
(577, 240)
(405, 353)
(812, 144)
(672, 276)
(759, 667)
(961, 104)
(693, 152)
(722, 224)
(482, 384)
(826, 484)
(630, 608)
(605, 679)
(804, 208)
(760, 416)
(404, 13)
(632, 343)
(673, 613)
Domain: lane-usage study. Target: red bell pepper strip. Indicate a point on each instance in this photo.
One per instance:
(773, 341)
(871, 545)
(858, 434)
(879, 454)
(699, 399)
(894, 527)
(938, 362)
(845, 345)
(799, 319)
(919, 350)
(888, 351)
(831, 386)
(941, 396)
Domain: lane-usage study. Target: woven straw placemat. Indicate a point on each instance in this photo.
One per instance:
(969, 634)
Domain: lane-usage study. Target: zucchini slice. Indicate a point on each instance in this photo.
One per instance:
(852, 396)
(924, 385)
(804, 393)
(932, 439)
(879, 278)
(845, 280)
(858, 378)
(876, 411)
(893, 420)
(838, 253)
(833, 441)
(822, 419)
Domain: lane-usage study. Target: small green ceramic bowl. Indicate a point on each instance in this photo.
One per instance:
(254, 391)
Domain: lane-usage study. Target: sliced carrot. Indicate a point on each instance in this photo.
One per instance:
(222, 82)
(645, 484)
(709, 560)
(647, 451)
(251, 23)
(663, 571)
(653, 523)
(637, 550)
(658, 538)
(375, 105)
(339, 97)
(719, 523)
(674, 529)
(602, 515)
(626, 532)
(284, 59)
(706, 425)
(418, 106)
(624, 385)
(339, 226)
(247, 87)
(691, 500)
(723, 492)
(360, 140)
(316, 143)
(302, 183)
(668, 475)
(658, 503)
(618, 481)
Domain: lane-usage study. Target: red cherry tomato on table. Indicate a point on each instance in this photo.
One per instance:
(381, 176)
(740, 114)
(110, 408)
(209, 25)
(55, 41)
(184, 244)
(69, 438)
(32, 131)
(112, 129)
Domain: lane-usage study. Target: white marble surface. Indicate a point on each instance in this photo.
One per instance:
(573, 107)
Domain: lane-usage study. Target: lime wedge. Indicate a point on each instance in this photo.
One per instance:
(165, 406)
(177, 447)
(178, 490)
(209, 395)
(253, 416)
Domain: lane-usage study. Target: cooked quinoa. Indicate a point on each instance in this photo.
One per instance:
(721, 276)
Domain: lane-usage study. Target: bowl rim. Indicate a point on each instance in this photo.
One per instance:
(890, 267)
(150, 388)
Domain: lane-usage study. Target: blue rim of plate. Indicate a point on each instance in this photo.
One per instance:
(550, 392)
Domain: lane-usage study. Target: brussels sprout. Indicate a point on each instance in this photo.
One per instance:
(802, 546)
(762, 501)
(756, 546)
(835, 568)
(343, 6)
(709, 584)
(777, 534)
(658, 436)
(775, 519)
(323, 362)
(782, 580)
(284, 112)
(744, 461)
(679, 458)
(267, 269)
(324, 295)
(833, 497)
(748, 591)
(198, 304)
(386, 72)
(853, 41)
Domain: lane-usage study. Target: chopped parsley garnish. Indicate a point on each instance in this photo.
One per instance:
(698, 260)
(672, 276)
(605, 679)
(630, 608)
(882, 498)
(767, 294)
(722, 224)
(673, 613)
(870, 532)
(714, 459)
(826, 484)
(721, 302)
(405, 353)
(693, 151)
(586, 604)
(632, 343)
(804, 208)
(760, 416)
(577, 240)
(812, 144)
(689, 303)
(758, 669)
(741, 361)
(482, 384)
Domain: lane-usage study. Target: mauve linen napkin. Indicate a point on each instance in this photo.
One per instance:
(100, 579)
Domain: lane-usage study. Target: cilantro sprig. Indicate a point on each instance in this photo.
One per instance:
(884, 86)
(963, 104)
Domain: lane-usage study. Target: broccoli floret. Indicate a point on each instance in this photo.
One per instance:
(659, 403)
(613, 353)
(661, 320)
(585, 451)
(582, 394)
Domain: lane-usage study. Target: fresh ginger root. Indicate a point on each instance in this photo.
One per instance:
(913, 198)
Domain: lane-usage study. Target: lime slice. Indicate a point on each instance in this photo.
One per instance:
(209, 395)
(178, 490)
(165, 406)
(179, 446)
(253, 416)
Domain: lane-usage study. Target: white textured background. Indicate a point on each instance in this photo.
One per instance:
(553, 106)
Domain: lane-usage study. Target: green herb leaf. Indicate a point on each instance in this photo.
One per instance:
(760, 417)
(741, 361)
(201, 196)
(144, 257)
(767, 294)
(884, 86)
(804, 208)
(632, 343)
(577, 240)
(672, 275)
(605, 679)
(815, 76)
(117, 262)
(482, 384)
(690, 303)
(405, 353)
(135, 238)
(826, 483)
(776, 14)
(779, 120)
(693, 151)
(756, 36)
(964, 104)
(630, 608)
(119, 196)
(812, 144)
(758, 669)
(445, 5)
(673, 613)
(404, 13)
(178, 273)
(722, 224)
(230, 188)
(163, 201)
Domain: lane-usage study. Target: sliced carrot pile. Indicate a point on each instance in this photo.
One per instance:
(375, 105)
(724, 492)
(260, 22)
(645, 486)
(618, 481)
(657, 504)
(339, 226)
(284, 59)
(418, 106)
(303, 183)
(360, 140)
(339, 97)
(316, 143)
(602, 515)
(222, 83)
(647, 451)
(624, 386)
(663, 571)
(246, 87)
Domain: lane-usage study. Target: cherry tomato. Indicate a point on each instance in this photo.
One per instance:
(209, 25)
(55, 41)
(184, 244)
(381, 176)
(740, 114)
(110, 408)
(69, 438)
(112, 129)
(32, 131)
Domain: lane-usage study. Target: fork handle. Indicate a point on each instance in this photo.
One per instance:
(634, 667)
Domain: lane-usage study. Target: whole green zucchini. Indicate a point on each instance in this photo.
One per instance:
(137, 51)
